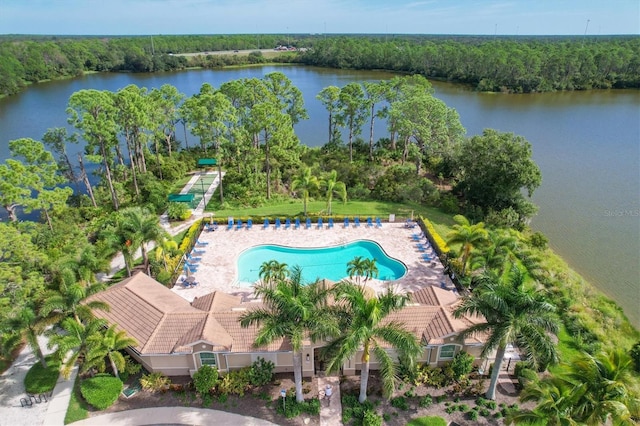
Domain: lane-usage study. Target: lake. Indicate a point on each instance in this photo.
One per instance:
(587, 145)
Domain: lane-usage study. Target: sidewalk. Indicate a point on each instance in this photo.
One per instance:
(330, 408)
(173, 416)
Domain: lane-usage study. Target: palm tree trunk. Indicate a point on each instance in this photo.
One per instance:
(364, 381)
(491, 392)
(297, 375)
(32, 340)
(113, 366)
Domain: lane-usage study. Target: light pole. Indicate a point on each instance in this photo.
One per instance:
(283, 394)
(204, 201)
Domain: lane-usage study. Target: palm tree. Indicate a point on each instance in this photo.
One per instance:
(356, 267)
(500, 249)
(70, 300)
(370, 269)
(334, 186)
(468, 236)
(306, 183)
(30, 324)
(166, 247)
(140, 227)
(556, 398)
(512, 314)
(72, 342)
(294, 312)
(607, 380)
(108, 345)
(591, 390)
(365, 329)
(273, 271)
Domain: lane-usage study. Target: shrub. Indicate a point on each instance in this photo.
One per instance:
(635, 355)
(450, 409)
(101, 391)
(463, 408)
(436, 239)
(472, 415)
(352, 409)
(291, 408)
(400, 403)
(235, 382)
(261, 372)
(178, 211)
(484, 412)
(205, 379)
(461, 365)
(154, 382)
(426, 401)
(40, 379)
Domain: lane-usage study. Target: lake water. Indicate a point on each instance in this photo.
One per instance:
(587, 145)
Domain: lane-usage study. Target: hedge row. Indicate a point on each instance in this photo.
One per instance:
(439, 244)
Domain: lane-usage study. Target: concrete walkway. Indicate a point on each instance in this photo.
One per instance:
(330, 407)
(173, 416)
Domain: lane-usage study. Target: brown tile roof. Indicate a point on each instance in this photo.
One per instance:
(163, 322)
(433, 296)
(243, 338)
(216, 301)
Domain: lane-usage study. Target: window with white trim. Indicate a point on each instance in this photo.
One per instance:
(447, 351)
(208, 358)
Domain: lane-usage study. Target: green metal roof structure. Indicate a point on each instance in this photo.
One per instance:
(181, 198)
(203, 162)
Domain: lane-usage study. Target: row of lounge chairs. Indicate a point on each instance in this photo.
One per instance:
(296, 224)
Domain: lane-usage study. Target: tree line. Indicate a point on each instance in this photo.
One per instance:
(507, 64)
(48, 269)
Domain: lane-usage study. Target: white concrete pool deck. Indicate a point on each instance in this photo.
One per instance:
(217, 270)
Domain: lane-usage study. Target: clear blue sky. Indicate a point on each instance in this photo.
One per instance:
(502, 17)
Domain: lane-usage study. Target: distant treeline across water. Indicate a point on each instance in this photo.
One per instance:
(508, 64)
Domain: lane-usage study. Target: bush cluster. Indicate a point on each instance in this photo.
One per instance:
(101, 391)
(291, 408)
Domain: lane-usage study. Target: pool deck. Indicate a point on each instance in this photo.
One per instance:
(217, 269)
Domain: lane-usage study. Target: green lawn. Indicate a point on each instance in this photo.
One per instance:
(78, 408)
(428, 421)
(293, 208)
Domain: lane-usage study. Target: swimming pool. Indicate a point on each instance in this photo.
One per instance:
(318, 263)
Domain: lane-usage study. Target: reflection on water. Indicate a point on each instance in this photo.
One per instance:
(586, 143)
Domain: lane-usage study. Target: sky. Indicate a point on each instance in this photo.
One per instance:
(482, 17)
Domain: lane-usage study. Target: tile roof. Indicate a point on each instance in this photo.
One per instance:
(163, 322)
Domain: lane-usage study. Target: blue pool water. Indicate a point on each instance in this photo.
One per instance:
(318, 263)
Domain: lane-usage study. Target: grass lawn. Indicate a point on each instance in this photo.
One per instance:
(428, 421)
(78, 408)
(292, 208)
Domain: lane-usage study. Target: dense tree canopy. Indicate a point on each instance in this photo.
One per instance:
(492, 171)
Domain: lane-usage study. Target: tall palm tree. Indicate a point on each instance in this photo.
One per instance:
(73, 340)
(334, 187)
(306, 183)
(468, 236)
(69, 301)
(512, 313)
(356, 267)
(273, 271)
(365, 329)
(30, 324)
(108, 345)
(292, 311)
